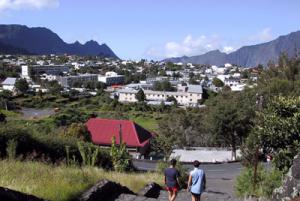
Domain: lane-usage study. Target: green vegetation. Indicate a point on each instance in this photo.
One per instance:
(22, 85)
(121, 159)
(217, 82)
(61, 183)
(32, 144)
(267, 181)
(277, 129)
(140, 96)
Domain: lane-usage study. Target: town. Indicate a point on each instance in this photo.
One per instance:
(149, 100)
(170, 83)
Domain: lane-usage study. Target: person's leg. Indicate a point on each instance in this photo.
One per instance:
(170, 195)
(174, 195)
(198, 197)
(193, 197)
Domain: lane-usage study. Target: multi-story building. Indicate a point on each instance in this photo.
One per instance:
(190, 97)
(49, 70)
(69, 81)
(112, 78)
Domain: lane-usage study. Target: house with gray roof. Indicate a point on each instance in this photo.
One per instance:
(9, 84)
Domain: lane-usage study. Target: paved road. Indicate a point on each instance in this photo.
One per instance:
(220, 178)
(29, 113)
(223, 170)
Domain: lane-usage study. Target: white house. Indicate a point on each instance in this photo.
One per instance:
(9, 84)
(111, 78)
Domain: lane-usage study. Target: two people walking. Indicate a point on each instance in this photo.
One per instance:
(196, 181)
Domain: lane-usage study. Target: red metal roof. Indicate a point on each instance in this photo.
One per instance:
(102, 131)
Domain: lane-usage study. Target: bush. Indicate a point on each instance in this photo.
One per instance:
(120, 156)
(46, 147)
(267, 181)
(11, 149)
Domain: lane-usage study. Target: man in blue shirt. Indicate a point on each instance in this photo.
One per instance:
(171, 180)
(197, 182)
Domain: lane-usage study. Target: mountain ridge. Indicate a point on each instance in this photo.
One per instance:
(41, 40)
(248, 56)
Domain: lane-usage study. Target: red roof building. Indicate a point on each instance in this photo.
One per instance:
(136, 137)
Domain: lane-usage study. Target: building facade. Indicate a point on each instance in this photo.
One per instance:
(112, 78)
(190, 97)
(69, 81)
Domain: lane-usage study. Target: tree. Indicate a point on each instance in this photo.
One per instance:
(157, 86)
(120, 156)
(278, 130)
(100, 86)
(54, 87)
(172, 99)
(179, 129)
(140, 95)
(231, 119)
(78, 130)
(90, 85)
(5, 97)
(22, 85)
(217, 82)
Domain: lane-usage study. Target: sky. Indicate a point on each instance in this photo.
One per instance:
(157, 29)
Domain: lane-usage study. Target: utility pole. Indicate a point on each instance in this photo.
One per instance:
(120, 135)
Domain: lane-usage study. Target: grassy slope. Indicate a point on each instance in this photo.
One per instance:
(61, 183)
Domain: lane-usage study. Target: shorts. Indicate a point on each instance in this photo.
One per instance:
(173, 189)
(196, 194)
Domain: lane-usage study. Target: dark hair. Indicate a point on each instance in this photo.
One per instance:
(173, 162)
(196, 163)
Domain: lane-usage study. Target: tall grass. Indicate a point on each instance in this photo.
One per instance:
(62, 183)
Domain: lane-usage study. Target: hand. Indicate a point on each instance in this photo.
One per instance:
(188, 189)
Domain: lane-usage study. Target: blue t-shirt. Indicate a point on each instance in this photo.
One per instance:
(198, 181)
(171, 175)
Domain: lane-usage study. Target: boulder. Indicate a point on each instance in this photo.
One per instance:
(104, 190)
(291, 184)
(151, 190)
(11, 195)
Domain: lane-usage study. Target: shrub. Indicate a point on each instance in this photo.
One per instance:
(11, 149)
(267, 181)
(120, 156)
(40, 147)
(89, 153)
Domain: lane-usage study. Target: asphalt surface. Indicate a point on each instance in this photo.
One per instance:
(220, 178)
(222, 170)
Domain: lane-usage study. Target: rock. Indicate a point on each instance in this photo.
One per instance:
(104, 190)
(291, 185)
(11, 195)
(151, 190)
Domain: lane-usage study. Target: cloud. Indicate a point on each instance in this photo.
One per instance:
(228, 49)
(27, 4)
(189, 46)
(262, 36)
